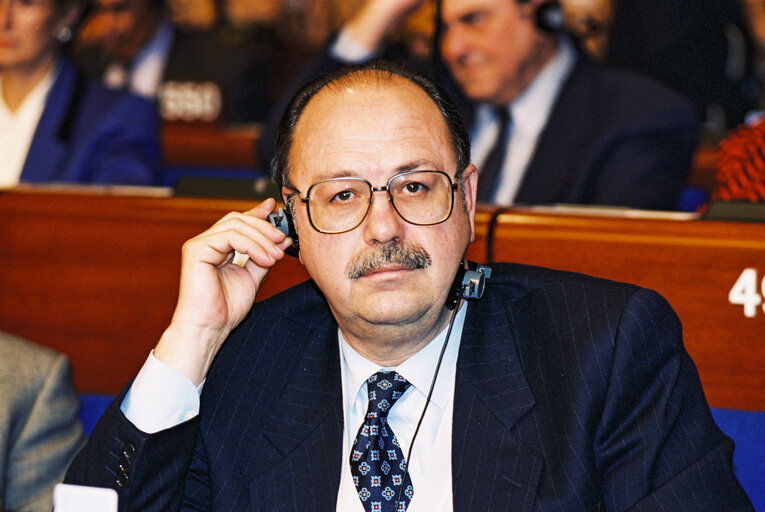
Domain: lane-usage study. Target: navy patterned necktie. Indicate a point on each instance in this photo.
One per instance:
(377, 462)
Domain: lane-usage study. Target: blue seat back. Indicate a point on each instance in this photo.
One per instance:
(747, 429)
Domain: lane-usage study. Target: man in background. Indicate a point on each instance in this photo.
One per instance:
(547, 124)
(197, 65)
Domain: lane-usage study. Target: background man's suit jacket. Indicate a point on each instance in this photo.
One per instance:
(613, 137)
(40, 430)
(571, 394)
(89, 134)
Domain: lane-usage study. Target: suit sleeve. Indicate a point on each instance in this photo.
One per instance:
(48, 439)
(657, 445)
(148, 471)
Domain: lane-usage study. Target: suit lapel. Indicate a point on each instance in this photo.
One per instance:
(46, 149)
(552, 172)
(305, 430)
(491, 468)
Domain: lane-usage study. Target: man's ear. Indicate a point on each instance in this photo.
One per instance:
(527, 8)
(288, 198)
(470, 186)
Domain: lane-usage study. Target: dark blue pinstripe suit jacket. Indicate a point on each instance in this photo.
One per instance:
(572, 394)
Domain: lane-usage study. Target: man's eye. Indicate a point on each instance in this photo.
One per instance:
(345, 195)
(473, 18)
(415, 188)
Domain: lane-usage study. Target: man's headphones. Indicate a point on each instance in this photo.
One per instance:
(282, 220)
(468, 284)
(548, 15)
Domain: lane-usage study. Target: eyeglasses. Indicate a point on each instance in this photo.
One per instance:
(338, 205)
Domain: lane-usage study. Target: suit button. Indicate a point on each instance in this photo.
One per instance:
(124, 464)
(128, 450)
(122, 479)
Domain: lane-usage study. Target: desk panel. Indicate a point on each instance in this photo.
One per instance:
(96, 276)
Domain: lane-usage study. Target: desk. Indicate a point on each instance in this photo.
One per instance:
(693, 264)
(209, 145)
(96, 276)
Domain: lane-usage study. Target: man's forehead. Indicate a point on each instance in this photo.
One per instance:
(372, 87)
(378, 117)
(365, 100)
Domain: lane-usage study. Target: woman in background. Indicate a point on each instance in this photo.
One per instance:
(55, 125)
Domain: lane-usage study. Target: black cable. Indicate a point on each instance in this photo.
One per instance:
(490, 228)
(427, 402)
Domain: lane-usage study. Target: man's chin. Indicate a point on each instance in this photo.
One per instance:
(389, 303)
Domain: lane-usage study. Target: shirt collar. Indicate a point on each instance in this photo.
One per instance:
(417, 369)
(536, 102)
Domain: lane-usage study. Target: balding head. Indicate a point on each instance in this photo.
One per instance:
(377, 74)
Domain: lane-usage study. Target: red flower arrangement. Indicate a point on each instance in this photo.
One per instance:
(741, 164)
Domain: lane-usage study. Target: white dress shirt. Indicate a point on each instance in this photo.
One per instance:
(529, 113)
(430, 466)
(161, 397)
(17, 129)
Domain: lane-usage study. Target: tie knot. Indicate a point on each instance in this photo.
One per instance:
(384, 388)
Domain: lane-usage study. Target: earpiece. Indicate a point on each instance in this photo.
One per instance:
(469, 284)
(548, 15)
(282, 220)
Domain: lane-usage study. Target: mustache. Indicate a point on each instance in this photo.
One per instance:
(411, 257)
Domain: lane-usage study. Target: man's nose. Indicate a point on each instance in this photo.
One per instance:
(382, 223)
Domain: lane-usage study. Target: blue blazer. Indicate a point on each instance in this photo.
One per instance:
(89, 134)
(572, 393)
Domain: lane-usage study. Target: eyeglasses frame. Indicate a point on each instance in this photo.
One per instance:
(453, 186)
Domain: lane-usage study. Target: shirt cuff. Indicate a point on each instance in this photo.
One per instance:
(348, 50)
(160, 397)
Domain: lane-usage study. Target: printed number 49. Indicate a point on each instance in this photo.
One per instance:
(745, 293)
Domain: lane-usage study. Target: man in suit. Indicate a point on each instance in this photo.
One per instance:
(554, 391)
(178, 54)
(577, 133)
(40, 431)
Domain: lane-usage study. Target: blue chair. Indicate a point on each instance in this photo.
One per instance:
(747, 429)
(92, 406)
